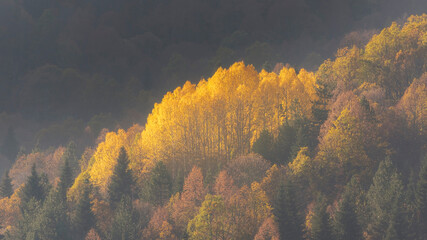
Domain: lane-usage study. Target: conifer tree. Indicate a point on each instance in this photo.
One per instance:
(121, 181)
(264, 145)
(66, 179)
(160, 184)
(284, 143)
(385, 200)
(346, 223)
(289, 221)
(6, 188)
(320, 222)
(70, 156)
(84, 219)
(126, 221)
(34, 187)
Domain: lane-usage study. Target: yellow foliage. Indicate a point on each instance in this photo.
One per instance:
(302, 162)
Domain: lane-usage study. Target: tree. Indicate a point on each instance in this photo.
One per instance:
(34, 187)
(122, 180)
(268, 231)
(385, 200)
(284, 143)
(66, 178)
(10, 146)
(84, 219)
(52, 221)
(6, 188)
(289, 220)
(346, 223)
(321, 228)
(160, 184)
(421, 199)
(125, 224)
(70, 156)
(210, 222)
(264, 145)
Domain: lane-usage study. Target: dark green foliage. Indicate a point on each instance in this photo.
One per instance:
(346, 224)
(35, 187)
(264, 145)
(66, 178)
(160, 184)
(289, 220)
(52, 222)
(385, 200)
(284, 143)
(70, 156)
(6, 189)
(83, 218)
(125, 224)
(421, 200)
(320, 222)
(121, 181)
(10, 146)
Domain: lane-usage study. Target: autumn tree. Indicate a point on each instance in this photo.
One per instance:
(121, 181)
(210, 222)
(6, 188)
(268, 231)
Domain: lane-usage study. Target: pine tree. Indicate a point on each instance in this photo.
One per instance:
(34, 187)
(84, 219)
(284, 143)
(121, 181)
(421, 200)
(10, 146)
(320, 222)
(125, 224)
(264, 145)
(346, 223)
(6, 188)
(160, 184)
(66, 179)
(289, 221)
(70, 156)
(52, 221)
(385, 200)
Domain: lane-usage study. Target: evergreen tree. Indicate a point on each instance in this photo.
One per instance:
(121, 180)
(160, 184)
(320, 222)
(125, 224)
(284, 143)
(289, 221)
(6, 188)
(52, 221)
(35, 187)
(385, 200)
(346, 222)
(84, 219)
(421, 200)
(264, 145)
(70, 156)
(10, 146)
(66, 179)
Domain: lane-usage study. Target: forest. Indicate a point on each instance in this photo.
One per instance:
(331, 149)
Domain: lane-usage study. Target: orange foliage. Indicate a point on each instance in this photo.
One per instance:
(49, 162)
(268, 230)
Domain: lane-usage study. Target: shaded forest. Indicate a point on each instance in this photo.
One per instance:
(256, 149)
